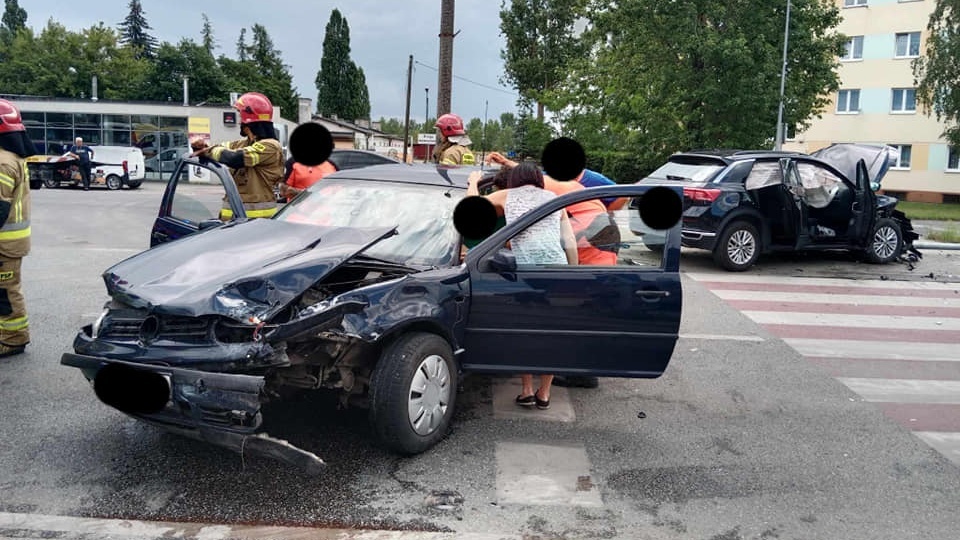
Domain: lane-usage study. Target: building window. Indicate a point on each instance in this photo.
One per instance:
(854, 3)
(848, 101)
(904, 100)
(853, 49)
(953, 159)
(908, 45)
(903, 160)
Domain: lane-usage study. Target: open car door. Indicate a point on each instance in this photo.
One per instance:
(864, 203)
(615, 314)
(189, 206)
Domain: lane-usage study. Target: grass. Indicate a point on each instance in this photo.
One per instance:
(930, 211)
(945, 235)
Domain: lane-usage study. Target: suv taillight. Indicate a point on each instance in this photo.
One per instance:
(701, 195)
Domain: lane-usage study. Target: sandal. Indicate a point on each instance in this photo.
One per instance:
(542, 404)
(526, 401)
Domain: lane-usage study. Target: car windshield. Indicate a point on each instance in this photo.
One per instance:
(422, 214)
(695, 172)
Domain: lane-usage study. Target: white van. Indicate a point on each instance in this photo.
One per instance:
(117, 166)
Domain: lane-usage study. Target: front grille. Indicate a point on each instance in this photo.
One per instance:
(127, 324)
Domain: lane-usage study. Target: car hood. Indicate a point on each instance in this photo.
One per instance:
(844, 156)
(246, 270)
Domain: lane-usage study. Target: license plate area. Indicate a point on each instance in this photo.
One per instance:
(132, 390)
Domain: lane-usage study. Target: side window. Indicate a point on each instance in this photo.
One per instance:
(763, 174)
(193, 203)
(820, 185)
(600, 237)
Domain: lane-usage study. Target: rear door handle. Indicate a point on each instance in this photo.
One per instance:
(652, 293)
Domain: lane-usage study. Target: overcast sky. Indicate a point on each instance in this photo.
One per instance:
(382, 36)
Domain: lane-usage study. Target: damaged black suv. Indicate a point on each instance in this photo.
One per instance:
(357, 286)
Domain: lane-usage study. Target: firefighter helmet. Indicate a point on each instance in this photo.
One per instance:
(10, 118)
(254, 107)
(450, 125)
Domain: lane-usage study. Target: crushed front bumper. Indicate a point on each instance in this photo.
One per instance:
(219, 408)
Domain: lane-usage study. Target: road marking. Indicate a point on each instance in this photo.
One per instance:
(539, 474)
(847, 299)
(66, 527)
(721, 337)
(854, 321)
(505, 392)
(905, 390)
(879, 350)
(815, 281)
(947, 444)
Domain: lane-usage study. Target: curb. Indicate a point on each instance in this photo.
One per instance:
(936, 245)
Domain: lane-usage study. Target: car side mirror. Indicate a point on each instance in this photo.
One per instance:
(874, 186)
(503, 261)
(209, 224)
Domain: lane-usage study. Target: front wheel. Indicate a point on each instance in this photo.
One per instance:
(738, 247)
(51, 183)
(114, 182)
(886, 242)
(413, 392)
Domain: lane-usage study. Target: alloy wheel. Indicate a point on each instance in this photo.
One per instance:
(885, 242)
(741, 247)
(430, 393)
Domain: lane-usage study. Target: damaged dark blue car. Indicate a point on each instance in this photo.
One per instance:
(358, 286)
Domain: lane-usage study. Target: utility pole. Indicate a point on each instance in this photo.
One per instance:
(406, 122)
(426, 118)
(778, 144)
(445, 68)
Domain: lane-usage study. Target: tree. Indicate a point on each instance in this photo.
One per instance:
(260, 68)
(540, 44)
(670, 76)
(187, 59)
(341, 85)
(937, 72)
(133, 31)
(242, 46)
(206, 35)
(14, 20)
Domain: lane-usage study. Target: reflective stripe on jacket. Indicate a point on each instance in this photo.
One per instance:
(457, 155)
(15, 190)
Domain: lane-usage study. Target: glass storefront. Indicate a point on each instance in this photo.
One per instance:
(156, 136)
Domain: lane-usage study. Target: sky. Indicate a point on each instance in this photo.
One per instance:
(383, 35)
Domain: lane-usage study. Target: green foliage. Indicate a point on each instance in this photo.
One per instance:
(540, 44)
(133, 31)
(14, 20)
(621, 167)
(187, 59)
(938, 70)
(531, 134)
(670, 76)
(341, 85)
(260, 68)
(206, 35)
(930, 211)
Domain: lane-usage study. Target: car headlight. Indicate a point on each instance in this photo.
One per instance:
(97, 324)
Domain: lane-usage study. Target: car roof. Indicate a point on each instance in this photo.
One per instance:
(413, 173)
(731, 155)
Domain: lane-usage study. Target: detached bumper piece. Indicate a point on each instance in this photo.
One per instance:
(219, 408)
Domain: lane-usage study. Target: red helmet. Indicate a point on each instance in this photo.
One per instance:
(10, 118)
(254, 107)
(450, 125)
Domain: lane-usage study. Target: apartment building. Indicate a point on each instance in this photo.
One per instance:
(877, 103)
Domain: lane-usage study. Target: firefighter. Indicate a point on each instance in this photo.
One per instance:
(453, 148)
(15, 146)
(255, 161)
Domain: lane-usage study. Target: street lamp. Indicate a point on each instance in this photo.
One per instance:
(778, 144)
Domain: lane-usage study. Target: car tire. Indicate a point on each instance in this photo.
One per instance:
(886, 242)
(134, 184)
(114, 182)
(413, 392)
(51, 183)
(738, 247)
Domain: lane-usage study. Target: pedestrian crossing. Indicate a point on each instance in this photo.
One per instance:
(894, 343)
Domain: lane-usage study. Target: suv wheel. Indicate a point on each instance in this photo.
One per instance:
(886, 242)
(738, 247)
(413, 391)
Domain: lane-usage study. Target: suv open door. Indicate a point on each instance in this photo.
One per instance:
(190, 206)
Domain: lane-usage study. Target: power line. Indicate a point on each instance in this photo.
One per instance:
(488, 87)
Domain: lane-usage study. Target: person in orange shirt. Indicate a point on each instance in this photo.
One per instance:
(300, 177)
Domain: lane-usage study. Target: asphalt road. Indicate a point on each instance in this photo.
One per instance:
(740, 439)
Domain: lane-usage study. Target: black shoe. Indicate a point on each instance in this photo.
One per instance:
(526, 401)
(11, 350)
(576, 381)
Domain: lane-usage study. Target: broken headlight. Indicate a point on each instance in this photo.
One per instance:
(98, 324)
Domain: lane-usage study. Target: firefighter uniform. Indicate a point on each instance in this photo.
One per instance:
(14, 245)
(453, 150)
(261, 172)
(457, 154)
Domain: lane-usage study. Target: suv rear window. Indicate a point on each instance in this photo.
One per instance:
(696, 171)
